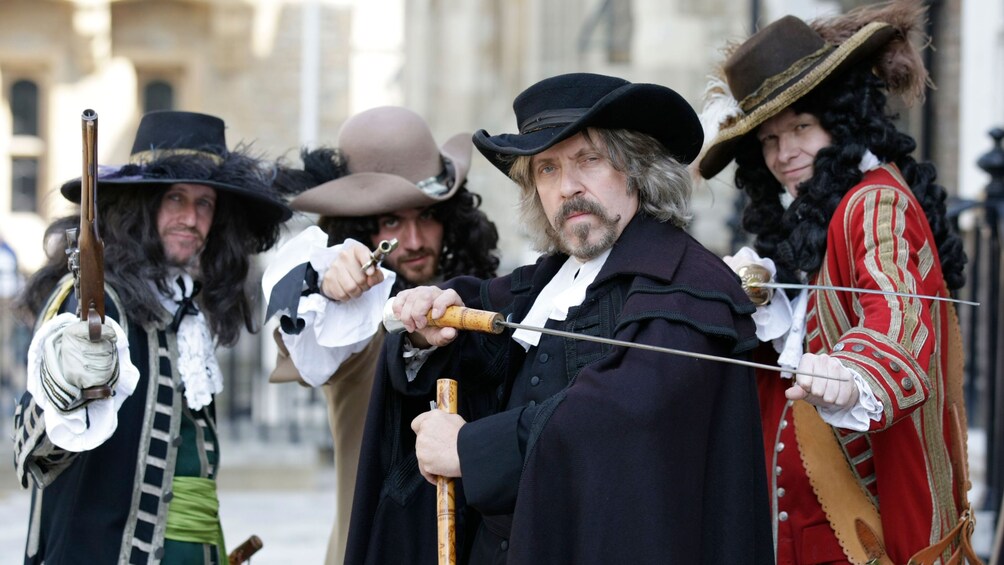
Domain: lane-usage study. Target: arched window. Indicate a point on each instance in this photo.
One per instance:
(26, 146)
(24, 184)
(24, 107)
(158, 95)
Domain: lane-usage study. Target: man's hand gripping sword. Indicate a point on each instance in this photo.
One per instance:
(463, 318)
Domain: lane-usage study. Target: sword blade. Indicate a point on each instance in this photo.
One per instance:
(797, 286)
(658, 349)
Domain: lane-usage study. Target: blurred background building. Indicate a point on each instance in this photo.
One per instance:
(286, 73)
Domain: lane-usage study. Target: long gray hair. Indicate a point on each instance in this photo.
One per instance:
(662, 183)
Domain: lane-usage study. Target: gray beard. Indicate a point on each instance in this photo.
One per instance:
(580, 248)
(577, 245)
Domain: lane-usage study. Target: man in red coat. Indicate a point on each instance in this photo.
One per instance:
(837, 200)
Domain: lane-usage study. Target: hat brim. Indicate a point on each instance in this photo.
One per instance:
(370, 194)
(259, 206)
(647, 108)
(866, 41)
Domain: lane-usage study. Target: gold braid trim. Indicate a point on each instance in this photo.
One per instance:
(773, 83)
(155, 154)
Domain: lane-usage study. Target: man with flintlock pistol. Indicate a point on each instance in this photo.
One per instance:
(131, 478)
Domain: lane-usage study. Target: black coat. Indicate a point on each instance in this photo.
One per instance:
(639, 457)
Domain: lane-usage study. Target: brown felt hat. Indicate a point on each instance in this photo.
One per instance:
(394, 164)
(777, 66)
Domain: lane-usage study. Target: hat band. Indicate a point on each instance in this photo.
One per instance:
(149, 155)
(772, 83)
(440, 184)
(551, 118)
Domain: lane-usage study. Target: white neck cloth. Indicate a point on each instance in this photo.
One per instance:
(566, 289)
(197, 365)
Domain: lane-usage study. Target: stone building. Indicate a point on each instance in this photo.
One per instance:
(286, 73)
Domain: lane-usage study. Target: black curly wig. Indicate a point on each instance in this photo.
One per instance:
(134, 256)
(851, 107)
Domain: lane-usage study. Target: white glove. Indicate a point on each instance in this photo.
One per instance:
(71, 362)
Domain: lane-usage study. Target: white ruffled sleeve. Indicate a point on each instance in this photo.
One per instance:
(333, 331)
(92, 424)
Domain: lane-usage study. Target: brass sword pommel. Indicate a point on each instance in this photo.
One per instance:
(380, 252)
(752, 274)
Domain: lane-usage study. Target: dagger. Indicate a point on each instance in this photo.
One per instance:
(756, 279)
(378, 254)
(463, 318)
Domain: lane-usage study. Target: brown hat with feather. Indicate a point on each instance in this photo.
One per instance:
(789, 58)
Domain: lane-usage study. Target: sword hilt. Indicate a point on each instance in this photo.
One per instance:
(752, 277)
(460, 317)
(385, 247)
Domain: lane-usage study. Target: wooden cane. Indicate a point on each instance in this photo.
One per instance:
(446, 506)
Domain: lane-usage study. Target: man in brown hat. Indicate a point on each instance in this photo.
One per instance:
(132, 478)
(861, 463)
(387, 181)
(596, 453)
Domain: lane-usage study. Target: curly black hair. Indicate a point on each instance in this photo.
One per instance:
(134, 256)
(851, 107)
(470, 239)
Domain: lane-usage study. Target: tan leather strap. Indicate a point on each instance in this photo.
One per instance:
(959, 537)
(962, 533)
(839, 493)
(956, 402)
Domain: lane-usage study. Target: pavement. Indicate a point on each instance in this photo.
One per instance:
(282, 493)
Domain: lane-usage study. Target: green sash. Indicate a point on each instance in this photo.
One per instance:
(193, 515)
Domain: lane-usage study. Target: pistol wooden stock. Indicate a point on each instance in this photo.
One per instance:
(90, 251)
(90, 248)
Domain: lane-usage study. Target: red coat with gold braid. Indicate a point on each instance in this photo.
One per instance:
(878, 238)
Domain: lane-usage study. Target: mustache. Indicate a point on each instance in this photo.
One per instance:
(186, 231)
(421, 253)
(578, 205)
(182, 229)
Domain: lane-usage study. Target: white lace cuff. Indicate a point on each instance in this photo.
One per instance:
(858, 416)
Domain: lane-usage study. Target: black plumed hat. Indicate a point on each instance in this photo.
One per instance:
(187, 147)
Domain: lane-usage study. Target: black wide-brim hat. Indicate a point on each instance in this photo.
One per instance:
(559, 107)
(174, 147)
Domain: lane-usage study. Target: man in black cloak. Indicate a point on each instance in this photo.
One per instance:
(572, 451)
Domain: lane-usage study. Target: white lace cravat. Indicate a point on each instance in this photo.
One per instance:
(197, 365)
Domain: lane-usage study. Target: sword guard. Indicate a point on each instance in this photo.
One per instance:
(752, 276)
